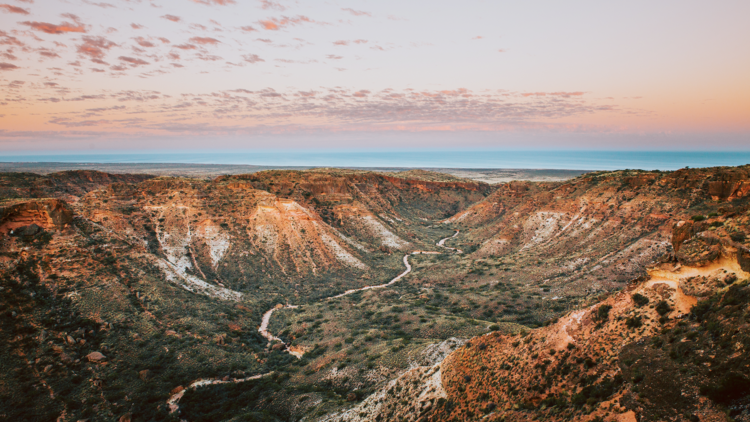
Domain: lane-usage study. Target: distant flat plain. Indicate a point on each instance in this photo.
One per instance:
(213, 170)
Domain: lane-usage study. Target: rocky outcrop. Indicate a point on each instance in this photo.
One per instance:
(49, 214)
(699, 250)
(681, 231)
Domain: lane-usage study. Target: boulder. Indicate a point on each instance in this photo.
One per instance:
(95, 357)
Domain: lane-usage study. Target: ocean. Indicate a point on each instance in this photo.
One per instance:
(475, 159)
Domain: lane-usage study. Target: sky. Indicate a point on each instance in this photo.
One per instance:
(127, 75)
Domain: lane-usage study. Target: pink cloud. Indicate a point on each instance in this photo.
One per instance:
(133, 61)
(6, 39)
(7, 66)
(252, 58)
(208, 57)
(136, 26)
(172, 18)
(55, 29)
(334, 57)
(248, 28)
(48, 53)
(143, 42)
(341, 42)
(186, 47)
(356, 12)
(269, 4)
(102, 5)
(95, 47)
(205, 40)
(216, 2)
(13, 9)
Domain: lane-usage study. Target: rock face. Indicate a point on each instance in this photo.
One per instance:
(48, 214)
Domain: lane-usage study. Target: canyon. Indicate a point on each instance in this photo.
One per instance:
(351, 295)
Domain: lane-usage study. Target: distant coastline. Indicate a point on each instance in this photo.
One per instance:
(428, 159)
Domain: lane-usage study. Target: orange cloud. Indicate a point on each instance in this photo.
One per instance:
(172, 18)
(13, 9)
(274, 24)
(55, 29)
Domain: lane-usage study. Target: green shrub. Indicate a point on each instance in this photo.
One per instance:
(698, 217)
(663, 308)
(640, 300)
(634, 322)
(602, 314)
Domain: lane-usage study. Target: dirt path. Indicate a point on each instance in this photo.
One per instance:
(175, 398)
(441, 243)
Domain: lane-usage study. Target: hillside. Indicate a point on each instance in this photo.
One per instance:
(120, 293)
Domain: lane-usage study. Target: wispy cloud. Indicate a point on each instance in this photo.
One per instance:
(133, 61)
(215, 2)
(274, 24)
(269, 4)
(13, 9)
(252, 58)
(356, 12)
(205, 40)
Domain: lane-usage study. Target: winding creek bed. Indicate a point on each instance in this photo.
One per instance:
(263, 328)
